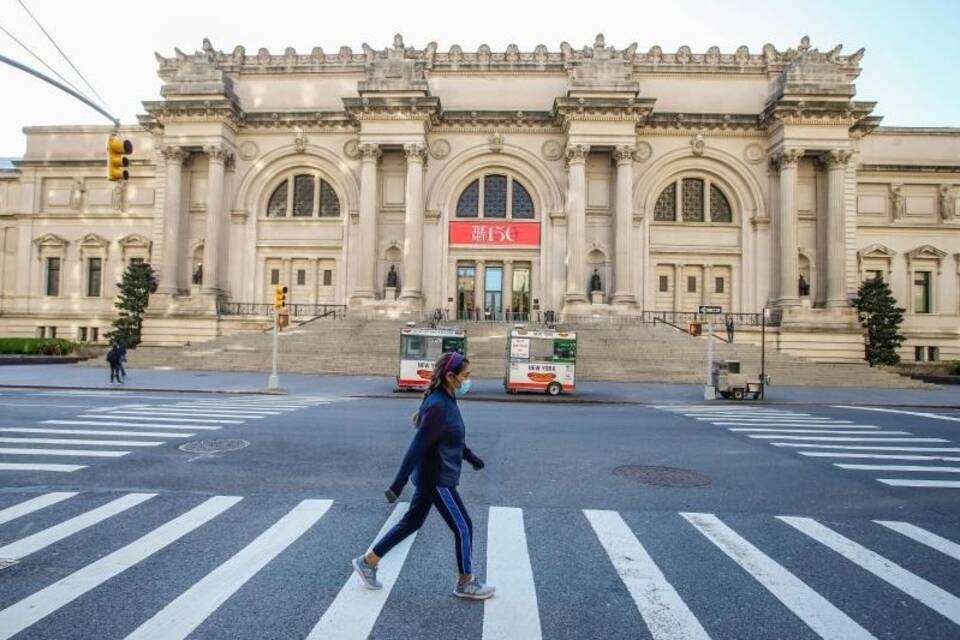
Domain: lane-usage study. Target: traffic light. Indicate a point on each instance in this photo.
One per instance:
(280, 297)
(117, 161)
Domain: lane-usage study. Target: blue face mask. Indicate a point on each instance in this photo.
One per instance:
(464, 387)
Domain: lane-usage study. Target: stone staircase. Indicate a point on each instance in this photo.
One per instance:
(629, 353)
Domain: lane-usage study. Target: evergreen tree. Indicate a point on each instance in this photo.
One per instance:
(132, 299)
(881, 318)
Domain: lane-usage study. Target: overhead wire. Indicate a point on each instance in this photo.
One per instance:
(65, 56)
(40, 60)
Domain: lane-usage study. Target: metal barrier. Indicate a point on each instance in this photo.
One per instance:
(265, 309)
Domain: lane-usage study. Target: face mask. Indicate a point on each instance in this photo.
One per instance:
(464, 387)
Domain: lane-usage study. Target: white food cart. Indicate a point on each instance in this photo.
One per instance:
(419, 350)
(541, 361)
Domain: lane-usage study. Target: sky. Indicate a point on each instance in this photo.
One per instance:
(910, 67)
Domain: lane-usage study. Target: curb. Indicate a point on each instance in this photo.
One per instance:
(262, 392)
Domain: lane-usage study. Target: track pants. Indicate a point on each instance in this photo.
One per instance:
(448, 503)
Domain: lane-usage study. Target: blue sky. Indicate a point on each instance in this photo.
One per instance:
(910, 68)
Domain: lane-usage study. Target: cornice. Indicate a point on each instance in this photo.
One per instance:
(908, 168)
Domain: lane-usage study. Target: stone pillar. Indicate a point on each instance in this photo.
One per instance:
(576, 223)
(706, 294)
(315, 289)
(678, 284)
(507, 288)
(413, 226)
(218, 157)
(787, 228)
(478, 288)
(623, 227)
(174, 158)
(367, 259)
(836, 163)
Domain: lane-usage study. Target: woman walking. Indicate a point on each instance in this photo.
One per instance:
(434, 458)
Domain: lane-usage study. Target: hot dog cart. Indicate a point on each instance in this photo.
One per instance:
(541, 361)
(419, 350)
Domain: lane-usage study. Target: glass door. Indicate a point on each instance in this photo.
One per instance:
(520, 302)
(493, 293)
(466, 283)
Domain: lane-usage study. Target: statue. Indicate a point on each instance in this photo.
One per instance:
(804, 286)
(946, 203)
(198, 274)
(899, 202)
(392, 277)
(595, 283)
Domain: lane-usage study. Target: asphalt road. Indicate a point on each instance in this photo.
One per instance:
(256, 542)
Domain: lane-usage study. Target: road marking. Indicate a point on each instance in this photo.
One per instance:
(26, 466)
(93, 432)
(921, 414)
(876, 456)
(31, 544)
(866, 447)
(181, 414)
(355, 610)
(814, 610)
(836, 432)
(188, 611)
(779, 419)
(112, 423)
(666, 615)
(34, 504)
(846, 439)
(513, 612)
(927, 593)
(122, 415)
(897, 467)
(921, 484)
(45, 405)
(82, 453)
(233, 407)
(38, 606)
(90, 443)
(923, 536)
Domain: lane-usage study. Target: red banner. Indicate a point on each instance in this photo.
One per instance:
(495, 234)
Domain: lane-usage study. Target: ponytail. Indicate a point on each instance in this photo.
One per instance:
(442, 367)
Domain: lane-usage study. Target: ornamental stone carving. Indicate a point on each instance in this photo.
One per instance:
(623, 153)
(947, 203)
(753, 153)
(249, 150)
(577, 153)
(300, 140)
(836, 157)
(439, 149)
(370, 151)
(898, 203)
(217, 153)
(495, 141)
(698, 144)
(552, 150)
(788, 158)
(351, 149)
(173, 154)
(642, 152)
(415, 152)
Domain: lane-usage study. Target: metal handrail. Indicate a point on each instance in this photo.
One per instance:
(265, 309)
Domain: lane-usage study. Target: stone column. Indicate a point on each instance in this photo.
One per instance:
(174, 158)
(413, 226)
(217, 156)
(367, 259)
(576, 223)
(315, 289)
(480, 280)
(623, 253)
(678, 284)
(787, 228)
(507, 288)
(706, 294)
(836, 163)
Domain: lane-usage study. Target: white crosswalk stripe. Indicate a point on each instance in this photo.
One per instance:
(28, 466)
(97, 432)
(670, 610)
(102, 443)
(114, 423)
(82, 453)
(801, 430)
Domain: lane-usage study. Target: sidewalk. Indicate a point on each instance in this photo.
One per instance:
(65, 376)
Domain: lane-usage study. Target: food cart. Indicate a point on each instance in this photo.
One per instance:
(730, 383)
(541, 361)
(419, 350)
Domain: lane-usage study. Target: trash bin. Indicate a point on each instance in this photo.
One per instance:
(695, 328)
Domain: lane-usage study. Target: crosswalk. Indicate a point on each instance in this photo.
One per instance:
(898, 457)
(630, 567)
(69, 444)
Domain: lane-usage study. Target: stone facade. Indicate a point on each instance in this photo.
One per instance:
(494, 182)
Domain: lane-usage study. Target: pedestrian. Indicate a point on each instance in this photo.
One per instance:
(113, 358)
(434, 458)
(730, 328)
(122, 347)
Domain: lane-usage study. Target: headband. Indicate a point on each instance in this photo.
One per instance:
(453, 363)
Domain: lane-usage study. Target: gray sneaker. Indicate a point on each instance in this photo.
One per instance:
(474, 590)
(367, 573)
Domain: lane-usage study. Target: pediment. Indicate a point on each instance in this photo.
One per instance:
(93, 240)
(876, 251)
(51, 240)
(927, 252)
(134, 241)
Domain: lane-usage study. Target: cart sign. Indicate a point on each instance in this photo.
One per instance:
(496, 234)
(706, 309)
(520, 348)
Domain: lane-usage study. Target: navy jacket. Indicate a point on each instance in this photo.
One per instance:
(439, 447)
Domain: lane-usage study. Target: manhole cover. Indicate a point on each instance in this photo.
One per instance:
(662, 476)
(213, 446)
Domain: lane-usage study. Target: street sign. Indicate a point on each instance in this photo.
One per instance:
(709, 309)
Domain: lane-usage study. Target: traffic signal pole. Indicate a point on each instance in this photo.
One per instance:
(59, 85)
(273, 383)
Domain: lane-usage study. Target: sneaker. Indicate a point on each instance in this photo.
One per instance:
(367, 573)
(474, 590)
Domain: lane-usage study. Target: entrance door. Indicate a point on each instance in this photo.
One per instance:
(493, 293)
(520, 304)
(466, 283)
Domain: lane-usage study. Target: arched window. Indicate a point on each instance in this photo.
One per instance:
(304, 195)
(495, 196)
(692, 200)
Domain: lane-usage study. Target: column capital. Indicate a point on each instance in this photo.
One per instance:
(174, 154)
(370, 152)
(415, 152)
(218, 153)
(624, 154)
(788, 158)
(577, 153)
(836, 158)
